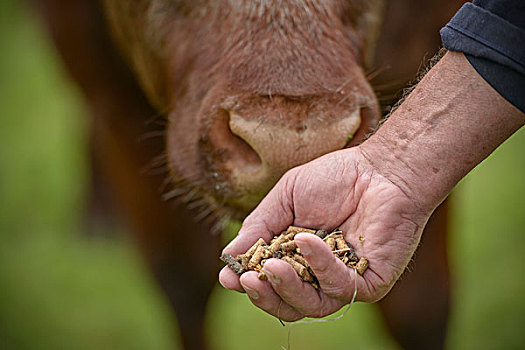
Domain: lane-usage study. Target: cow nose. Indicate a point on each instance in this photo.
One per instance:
(261, 151)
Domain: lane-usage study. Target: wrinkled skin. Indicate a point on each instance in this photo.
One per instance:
(361, 202)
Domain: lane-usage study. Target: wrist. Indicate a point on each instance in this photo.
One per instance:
(390, 160)
(445, 127)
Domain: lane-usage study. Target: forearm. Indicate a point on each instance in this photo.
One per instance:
(449, 123)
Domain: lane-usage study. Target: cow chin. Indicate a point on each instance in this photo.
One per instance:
(212, 194)
(234, 202)
(239, 207)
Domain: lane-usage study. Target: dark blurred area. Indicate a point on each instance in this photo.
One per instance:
(61, 288)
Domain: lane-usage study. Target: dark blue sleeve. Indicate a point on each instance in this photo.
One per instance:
(491, 34)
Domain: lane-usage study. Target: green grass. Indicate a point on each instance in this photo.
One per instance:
(62, 290)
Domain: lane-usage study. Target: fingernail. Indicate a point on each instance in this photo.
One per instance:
(271, 277)
(252, 293)
(305, 248)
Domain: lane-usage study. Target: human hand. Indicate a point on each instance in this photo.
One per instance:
(339, 190)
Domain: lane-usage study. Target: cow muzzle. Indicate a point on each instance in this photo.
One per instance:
(254, 152)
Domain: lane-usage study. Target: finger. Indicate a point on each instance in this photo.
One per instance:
(230, 280)
(300, 295)
(263, 296)
(335, 278)
(273, 215)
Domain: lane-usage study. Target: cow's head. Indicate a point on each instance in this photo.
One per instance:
(251, 88)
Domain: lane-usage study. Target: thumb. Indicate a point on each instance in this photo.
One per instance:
(335, 278)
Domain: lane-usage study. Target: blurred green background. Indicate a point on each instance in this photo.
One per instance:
(60, 289)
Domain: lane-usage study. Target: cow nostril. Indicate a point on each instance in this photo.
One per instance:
(255, 152)
(240, 154)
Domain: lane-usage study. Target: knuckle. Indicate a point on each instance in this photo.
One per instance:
(316, 314)
(319, 312)
(338, 292)
(290, 173)
(322, 270)
(291, 318)
(264, 305)
(327, 274)
(250, 220)
(374, 296)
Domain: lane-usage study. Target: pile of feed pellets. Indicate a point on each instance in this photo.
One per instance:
(284, 247)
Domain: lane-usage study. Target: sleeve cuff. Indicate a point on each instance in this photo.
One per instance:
(493, 46)
(478, 32)
(507, 82)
